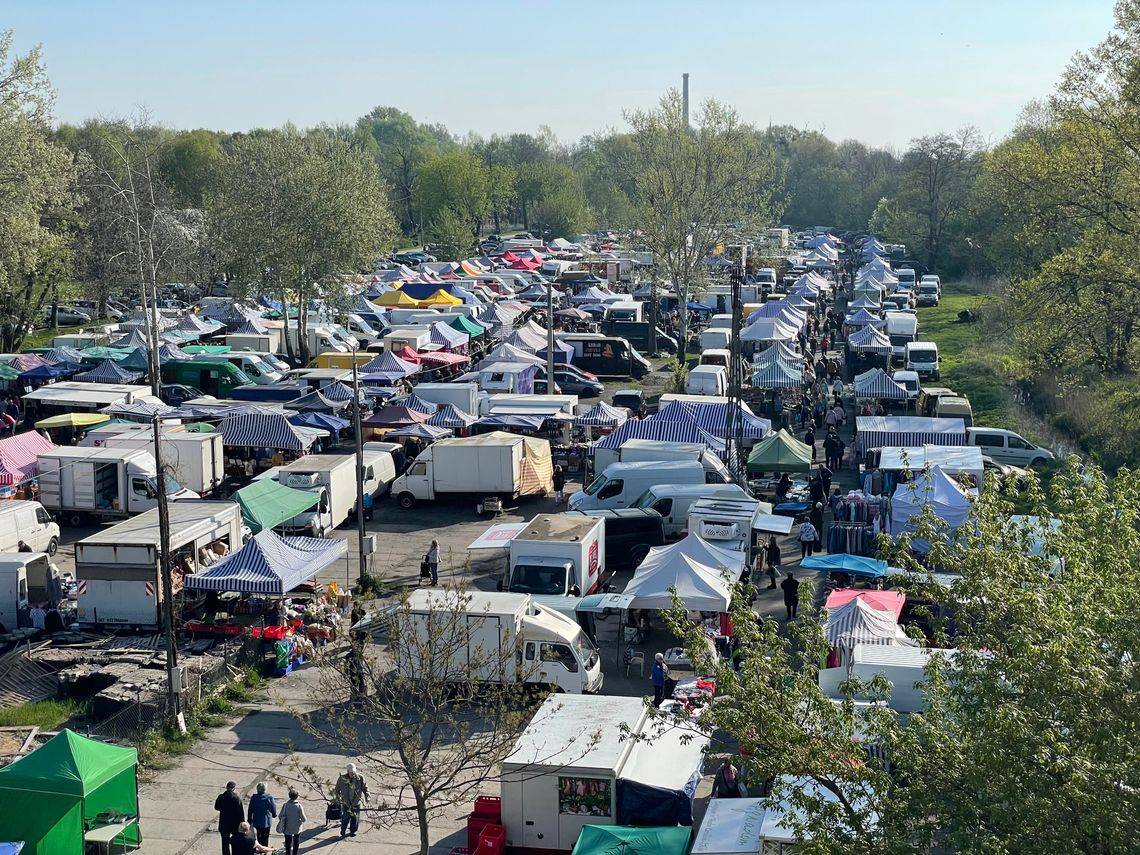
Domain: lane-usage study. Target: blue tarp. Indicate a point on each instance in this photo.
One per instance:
(321, 421)
(137, 360)
(644, 804)
(270, 564)
(699, 307)
(424, 431)
(855, 565)
(52, 372)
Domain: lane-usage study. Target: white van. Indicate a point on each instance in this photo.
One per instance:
(673, 501)
(707, 380)
(1005, 446)
(921, 357)
(909, 381)
(715, 339)
(907, 279)
(29, 522)
(621, 484)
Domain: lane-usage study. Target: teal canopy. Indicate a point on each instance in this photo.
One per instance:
(626, 840)
(267, 503)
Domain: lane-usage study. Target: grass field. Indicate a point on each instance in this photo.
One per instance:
(48, 715)
(971, 357)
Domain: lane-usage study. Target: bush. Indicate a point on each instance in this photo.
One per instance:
(678, 376)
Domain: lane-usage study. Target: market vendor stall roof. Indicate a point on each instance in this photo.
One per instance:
(267, 503)
(73, 420)
(698, 586)
(853, 565)
(266, 430)
(780, 452)
(858, 622)
(269, 564)
(19, 456)
(626, 840)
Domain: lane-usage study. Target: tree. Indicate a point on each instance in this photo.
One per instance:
(187, 164)
(693, 185)
(1026, 743)
(558, 207)
(37, 195)
(454, 183)
(293, 213)
(423, 714)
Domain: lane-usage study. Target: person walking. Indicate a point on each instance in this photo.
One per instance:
(559, 485)
(432, 559)
(808, 534)
(292, 822)
(816, 517)
(791, 588)
(809, 440)
(659, 675)
(774, 561)
(351, 792)
(261, 812)
(726, 783)
(230, 814)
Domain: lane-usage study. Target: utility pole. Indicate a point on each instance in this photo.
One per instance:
(173, 676)
(685, 97)
(549, 339)
(733, 413)
(361, 537)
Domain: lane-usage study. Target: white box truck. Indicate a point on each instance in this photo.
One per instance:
(117, 571)
(24, 578)
(558, 554)
(491, 464)
(462, 396)
(902, 329)
(333, 478)
(80, 484)
(482, 636)
(195, 459)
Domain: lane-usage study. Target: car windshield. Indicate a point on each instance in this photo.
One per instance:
(646, 500)
(595, 485)
(924, 356)
(587, 651)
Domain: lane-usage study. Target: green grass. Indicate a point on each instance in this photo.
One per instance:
(971, 357)
(47, 715)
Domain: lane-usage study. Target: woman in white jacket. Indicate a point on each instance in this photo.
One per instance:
(291, 822)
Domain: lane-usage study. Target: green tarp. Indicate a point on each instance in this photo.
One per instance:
(207, 348)
(267, 503)
(626, 840)
(7, 372)
(54, 794)
(780, 452)
(463, 324)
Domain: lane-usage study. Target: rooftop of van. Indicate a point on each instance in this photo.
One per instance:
(645, 465)
(923, 345)
(706, 369)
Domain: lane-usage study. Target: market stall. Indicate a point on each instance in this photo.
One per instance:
(623, 840)
(69, 792)
(267, 503)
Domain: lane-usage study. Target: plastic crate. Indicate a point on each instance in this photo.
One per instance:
(492, 840)
(489, 806)
(475, 826)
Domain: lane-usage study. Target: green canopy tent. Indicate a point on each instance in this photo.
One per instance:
(53, 795)
(466, 325)
(7, 372)
(627, 840)
(267, 503)
(780, 452)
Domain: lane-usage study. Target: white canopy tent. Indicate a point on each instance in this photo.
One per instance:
(946, 497)
(856, 622)
(702, 573)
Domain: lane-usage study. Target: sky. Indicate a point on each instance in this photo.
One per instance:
(881, 71)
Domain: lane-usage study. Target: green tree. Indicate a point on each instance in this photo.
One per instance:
(1027, 741)
(188, 162)
(454, 184)
(37, 195)
(291, 214)
(693, 184)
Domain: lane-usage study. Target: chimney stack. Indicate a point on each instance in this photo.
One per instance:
(685, 97)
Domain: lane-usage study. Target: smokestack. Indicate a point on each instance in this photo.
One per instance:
(685, 96)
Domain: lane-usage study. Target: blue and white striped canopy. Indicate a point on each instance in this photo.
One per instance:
(451, 417)
(270, 564)
(776, 375)
(132, 339)
(876, 383)
(263, 430)
(388, 363)
(336, 392)
(415, 402)
(603, 415)
(252, 326)
(108, 371)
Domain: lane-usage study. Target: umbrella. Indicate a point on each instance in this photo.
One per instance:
(73, 420)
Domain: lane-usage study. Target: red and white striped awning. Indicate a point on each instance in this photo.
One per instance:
(19, 456)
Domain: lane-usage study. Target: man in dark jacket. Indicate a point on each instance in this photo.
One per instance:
(791, 589)
(231, 814)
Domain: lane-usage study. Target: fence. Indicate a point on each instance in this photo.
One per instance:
(200, 676)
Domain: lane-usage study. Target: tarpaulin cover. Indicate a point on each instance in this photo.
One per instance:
(169, 352)
(108, 372)
(451, 417)
(420, 431)
(621, 840)
(886, 601)
(27, 361)
(659, 780)
(507, 422)
(263, 430)
(268, 503)
(780, 452)
(251, 327)
(394, 416)
(853, 565)
(132, 339)
(466, 325)
(142, 409)
(449, 337)
(881, 431)
(857, 622)
(51, 372)
(945, 496)
(603, 415)
(63, 354)
(322, 421)
(698, 586)
(536, 475)
(72, 420)
(270, 564)
(50, 793)
(19, 456)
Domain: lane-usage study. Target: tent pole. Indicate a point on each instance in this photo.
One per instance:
(361, 537)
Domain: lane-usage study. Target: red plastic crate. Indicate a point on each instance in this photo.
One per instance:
(475, 826)
(489, 806)
(492, 840)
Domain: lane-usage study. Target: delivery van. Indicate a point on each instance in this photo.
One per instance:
(673, 501)
(922, 358)
(707, 380)
(1005, 446)
(29, 522)
(954, 407)
(715, 339)
(621, 484)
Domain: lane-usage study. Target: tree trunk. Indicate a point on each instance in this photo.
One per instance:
(422, 817)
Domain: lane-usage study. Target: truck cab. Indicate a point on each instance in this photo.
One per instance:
(557, 652)
(922, 358)
(556, 554)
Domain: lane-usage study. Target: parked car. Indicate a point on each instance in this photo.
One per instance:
(174, 394)
(1005, 446)
(1007, 474)
(572, 384)
(540, 388)
(633, 400)
(68, 316)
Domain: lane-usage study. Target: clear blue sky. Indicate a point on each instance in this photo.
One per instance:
(882, 71)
